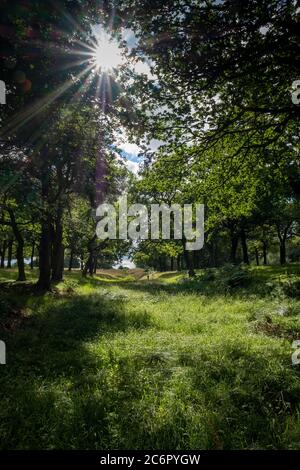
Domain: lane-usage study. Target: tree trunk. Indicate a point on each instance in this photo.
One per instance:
(20, 246)
(91, 267)
(189, 260)
(179, 263)
(44, 282)
(265, 255)
(95, 265)
(282, 250)
(282, 247)
(234, 246)
(57, 263)
(256, 257)
(89, 264)
(244, 246)
(20, 260)
(9, 254)
(172, 263)
(32, 255)
(71, 260)
(3, 253)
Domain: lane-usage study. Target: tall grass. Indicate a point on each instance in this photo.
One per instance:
(164, 364)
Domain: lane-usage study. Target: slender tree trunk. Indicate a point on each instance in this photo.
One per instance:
(172, 263)
(244, 246)
(88, 268)
(32, 255)
(3, 253)
(44, 282)
(189, 260)
(20, 246)
(9, 254)
(282, 251)
(196, 258)
(282, 244)
(20, 260)
(265, 254)
(57, 263)
(256, 257)
(71, 260)
(179, 263)
(234, 246)
(91, 267)
(95, 265)
(58, 249)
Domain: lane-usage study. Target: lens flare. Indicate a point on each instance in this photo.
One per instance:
(107, 54)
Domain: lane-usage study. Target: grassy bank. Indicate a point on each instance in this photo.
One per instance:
(168, 363)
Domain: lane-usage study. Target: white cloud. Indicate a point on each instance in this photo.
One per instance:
(127, 147)
(132, 166)
(142, 67)
(130, 38)
(155, 144)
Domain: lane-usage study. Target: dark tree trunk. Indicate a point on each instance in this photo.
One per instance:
(196, 258)
(282, 244)
(244, 246)
(32, 255)
(9, 254)
(234, 246)
(3, 253)
(256, 257)
(265, 254)
(71, 260)
(172, 263)
(20, 260)
(89, 265)
(282, 250)
(20, 246)
(57, 263)
(179, 263)
(189, 260)
(44, 282)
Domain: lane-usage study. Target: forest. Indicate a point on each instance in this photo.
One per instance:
(145, 344)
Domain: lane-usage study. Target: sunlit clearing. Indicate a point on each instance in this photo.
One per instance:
(107, 54)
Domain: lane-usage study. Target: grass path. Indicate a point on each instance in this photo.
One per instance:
(115, 364)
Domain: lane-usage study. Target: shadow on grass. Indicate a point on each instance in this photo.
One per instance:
(64, 396)
(51, 371)
(259, 282)
(68, 386)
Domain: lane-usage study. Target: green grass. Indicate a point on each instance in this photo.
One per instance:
(165, 364)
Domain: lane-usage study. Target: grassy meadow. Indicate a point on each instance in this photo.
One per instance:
(118, 361)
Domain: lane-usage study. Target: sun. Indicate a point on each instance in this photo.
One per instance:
(107, 53)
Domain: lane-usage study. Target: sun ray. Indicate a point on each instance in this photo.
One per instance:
(22, 118)
(107, 54)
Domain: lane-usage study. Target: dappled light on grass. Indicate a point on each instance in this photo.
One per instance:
(139, 365)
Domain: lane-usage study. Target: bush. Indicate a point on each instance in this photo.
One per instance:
(234, 276)
(292, 289)
(208, 276)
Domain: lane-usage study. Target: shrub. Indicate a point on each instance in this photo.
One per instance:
(234, 276)
(292, 288)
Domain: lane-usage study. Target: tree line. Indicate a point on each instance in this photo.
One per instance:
(217, 98)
